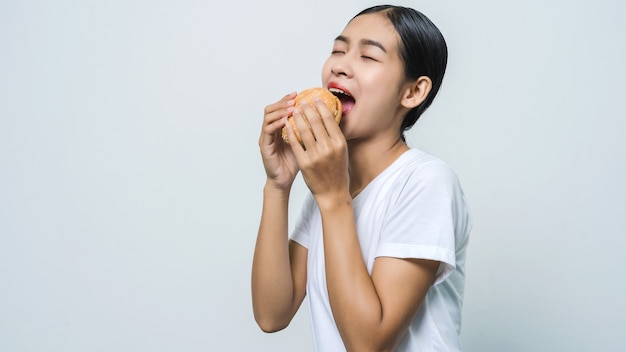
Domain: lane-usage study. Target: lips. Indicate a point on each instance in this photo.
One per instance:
(347, 101)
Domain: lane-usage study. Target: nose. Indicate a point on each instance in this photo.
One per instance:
(340, 66)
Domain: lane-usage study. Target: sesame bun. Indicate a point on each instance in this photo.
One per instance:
(332, 102)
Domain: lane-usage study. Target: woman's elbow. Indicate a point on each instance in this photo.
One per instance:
(271, 325)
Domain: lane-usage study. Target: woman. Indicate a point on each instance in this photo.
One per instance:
(380, 245)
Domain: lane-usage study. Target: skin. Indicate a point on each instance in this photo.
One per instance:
(372, 312)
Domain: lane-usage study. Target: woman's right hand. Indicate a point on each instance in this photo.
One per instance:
(278, 159)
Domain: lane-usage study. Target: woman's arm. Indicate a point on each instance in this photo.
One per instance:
(278, 267)
(373, 312)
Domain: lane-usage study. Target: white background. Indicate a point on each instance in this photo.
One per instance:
(130, 180)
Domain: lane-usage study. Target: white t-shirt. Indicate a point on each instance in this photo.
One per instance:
(413, 209)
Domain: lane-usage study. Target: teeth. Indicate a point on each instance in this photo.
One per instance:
(338, 91)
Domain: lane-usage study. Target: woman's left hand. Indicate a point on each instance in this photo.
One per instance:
(323, 154)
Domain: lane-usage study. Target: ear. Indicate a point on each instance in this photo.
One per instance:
(415, 92)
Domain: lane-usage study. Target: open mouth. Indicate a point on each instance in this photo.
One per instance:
(347, 101)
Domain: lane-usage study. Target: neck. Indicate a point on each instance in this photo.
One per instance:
(368, 160)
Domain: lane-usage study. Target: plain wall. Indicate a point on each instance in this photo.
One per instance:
(130, 180)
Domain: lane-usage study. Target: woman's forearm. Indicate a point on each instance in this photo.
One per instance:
(355, 304)
(372, 312)
(272, 282)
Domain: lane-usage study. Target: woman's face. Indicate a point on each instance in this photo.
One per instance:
(365, 64)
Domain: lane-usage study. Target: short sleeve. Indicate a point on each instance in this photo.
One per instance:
(301, 231)
(420, 222)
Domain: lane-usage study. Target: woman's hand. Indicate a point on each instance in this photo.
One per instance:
(323, 154)
(278, 159)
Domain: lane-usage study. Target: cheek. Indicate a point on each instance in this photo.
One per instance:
(379, 85)
(386, 82)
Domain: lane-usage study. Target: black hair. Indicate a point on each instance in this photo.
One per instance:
(422, 48)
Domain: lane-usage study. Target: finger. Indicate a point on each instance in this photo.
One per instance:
(315, 115)
(270, 130)
(303, 125)
(285, 102)
(279, 109)
(295, 145)
(330, 124)
(284, 110)
(274, 113)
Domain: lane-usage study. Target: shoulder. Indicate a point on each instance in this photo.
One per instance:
(422, 168)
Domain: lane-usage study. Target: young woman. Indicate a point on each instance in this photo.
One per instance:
(379, 248)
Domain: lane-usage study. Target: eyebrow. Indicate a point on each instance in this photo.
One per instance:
(371, 42)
